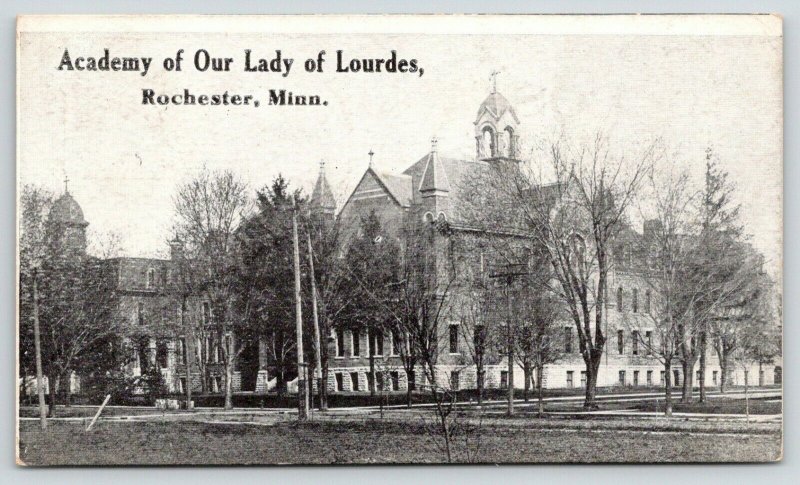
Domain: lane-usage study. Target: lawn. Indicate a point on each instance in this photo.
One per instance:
(373, 441)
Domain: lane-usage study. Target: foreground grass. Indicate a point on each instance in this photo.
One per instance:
(156, 443)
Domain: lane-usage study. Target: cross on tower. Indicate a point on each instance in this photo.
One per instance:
(371, 153)
(434, 143)
(321, 166)
(66, 184)
(493, 78)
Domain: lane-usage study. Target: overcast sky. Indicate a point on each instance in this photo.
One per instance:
(124, 160)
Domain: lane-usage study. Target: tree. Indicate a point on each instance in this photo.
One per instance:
(574, 218)
(209, 210)
(372, 267)
(74, 301)
(668, 248)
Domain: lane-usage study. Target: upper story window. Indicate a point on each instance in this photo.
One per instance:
(619, 299)
(453, 339)
(140, 313)
(206, 313)
(620, 342)
(568, 340)
(151, 278)
(339, 343)
(635, 301)
(647, 301)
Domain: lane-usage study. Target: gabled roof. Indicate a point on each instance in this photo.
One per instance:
(397, 187)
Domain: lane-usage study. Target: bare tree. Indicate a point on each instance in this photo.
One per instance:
(574, 213)
(209, 210)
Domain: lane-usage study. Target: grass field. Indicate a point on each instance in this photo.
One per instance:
(372, 441)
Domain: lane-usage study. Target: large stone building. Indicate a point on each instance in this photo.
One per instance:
(432, 189)
(435, 189)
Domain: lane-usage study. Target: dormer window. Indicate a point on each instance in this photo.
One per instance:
(151, 278)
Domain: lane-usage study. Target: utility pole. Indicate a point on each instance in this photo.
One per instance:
(317, 348)
(508, 274)
(302, 395)
(38, 348)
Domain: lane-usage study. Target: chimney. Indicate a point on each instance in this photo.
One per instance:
(176, 249)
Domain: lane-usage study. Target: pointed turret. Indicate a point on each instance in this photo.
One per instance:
(434, 179)
(322, 198)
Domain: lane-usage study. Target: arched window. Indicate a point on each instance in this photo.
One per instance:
(635, 301)
(647, 301)
(488, 148)
(508, 142)
(151, 278)
(619, 299)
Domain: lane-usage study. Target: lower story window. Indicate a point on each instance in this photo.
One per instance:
(569, 378)
(649, 378)
(412, 382)
(354, 381)
(339, 382)
(622, 378)
(454, 380)
(395, 377)
(504, 379)
(583, 378)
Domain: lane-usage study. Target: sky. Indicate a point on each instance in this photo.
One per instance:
(125, 160)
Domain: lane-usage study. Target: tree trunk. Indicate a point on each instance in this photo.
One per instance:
(592, 369)
(229, 386)
(746, 396)
(408, 386)
(539, 387)
(723, 378)
(323, 392)
(189, 350)
(480, 378)
(668, 389)
(68, 390)
(374, 383)
(527, 372)
(686, 393)
(52, 380)
(702, 379)
(38, 351)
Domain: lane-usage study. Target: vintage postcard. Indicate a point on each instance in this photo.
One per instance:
(399, 239)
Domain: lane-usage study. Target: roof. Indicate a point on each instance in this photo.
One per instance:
(399, 186)
(67, 211)
(322, 196)
(434, 177)
(496, 105)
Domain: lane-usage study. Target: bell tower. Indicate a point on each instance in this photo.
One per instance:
(496, 124)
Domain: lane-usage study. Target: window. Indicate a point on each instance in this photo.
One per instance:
(354, 381)
(370, 380)
(164, 276)
(411, 380)
(479, 338)
(620, 342)
(395, 377)
(140, 313)
(649, 378)
(151, 278)
(622, 378)
(647, 301)
(714, 376)
(206, 313)
(663, 377)
(635, 343)
(339, 382)
(569, 378)
(216, 384)
(381, 381)
(181, 385)
(355, 342)
(396, 342)
(568, 340)
(377, 346)
(504, 379)
(636, 378)
(677, 377)
(453, 339)
(619, 299)
(635, 301)
(583, 378)
(454, 380)
(697, 376)
(180, 355)
(648, 337)
(340, 343)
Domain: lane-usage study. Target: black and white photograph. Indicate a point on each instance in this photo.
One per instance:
(399, 239)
